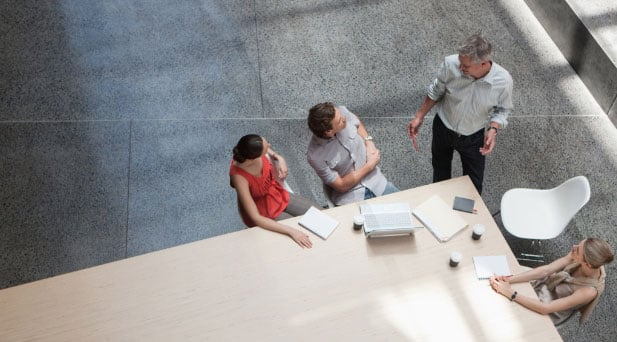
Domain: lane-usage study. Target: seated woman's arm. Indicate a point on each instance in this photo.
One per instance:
(539, 272)
(248, 206)
(581, 296)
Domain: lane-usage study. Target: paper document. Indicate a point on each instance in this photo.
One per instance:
(487, 266)
(318, 222)
(438, 217)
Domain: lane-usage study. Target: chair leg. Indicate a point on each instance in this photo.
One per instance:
(539, 258)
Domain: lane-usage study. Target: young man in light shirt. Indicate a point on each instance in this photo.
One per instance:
(344, 155)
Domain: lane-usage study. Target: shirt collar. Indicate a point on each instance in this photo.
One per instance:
(490, 77)
(323, 141)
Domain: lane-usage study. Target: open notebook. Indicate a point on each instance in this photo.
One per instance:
(438, 217)
(318, 222)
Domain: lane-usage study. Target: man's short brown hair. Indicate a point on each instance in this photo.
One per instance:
(320, 118)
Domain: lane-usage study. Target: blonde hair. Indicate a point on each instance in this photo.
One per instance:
(597, 252)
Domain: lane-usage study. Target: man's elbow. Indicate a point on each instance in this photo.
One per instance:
(339, 187)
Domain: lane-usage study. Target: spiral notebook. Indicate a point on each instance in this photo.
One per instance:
(438, 217)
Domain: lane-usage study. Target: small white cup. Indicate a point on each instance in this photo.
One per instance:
(455, 258)
(358, 222)
(478, 230)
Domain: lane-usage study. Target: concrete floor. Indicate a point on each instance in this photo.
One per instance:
(117, 118)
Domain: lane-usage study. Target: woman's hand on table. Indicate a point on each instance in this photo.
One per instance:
(300, 238)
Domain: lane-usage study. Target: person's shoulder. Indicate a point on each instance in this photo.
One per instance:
(344, 110)
(501, 71)
(237, 179)
(349, 115)
(588, 293)
(451, 60)
(314, 146)
(450, 67)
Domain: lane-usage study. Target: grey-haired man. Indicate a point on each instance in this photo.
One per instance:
(473, 95)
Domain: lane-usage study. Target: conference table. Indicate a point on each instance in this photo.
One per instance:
(260, 286)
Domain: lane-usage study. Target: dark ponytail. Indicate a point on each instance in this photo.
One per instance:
(249, 146)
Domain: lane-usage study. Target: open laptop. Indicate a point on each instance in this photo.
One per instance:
(388, 219)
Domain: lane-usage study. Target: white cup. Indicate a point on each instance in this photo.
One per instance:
(455, 258)
(358, 222)
(478, 230)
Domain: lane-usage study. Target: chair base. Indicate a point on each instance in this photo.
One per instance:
(534, 258)
(538, 258)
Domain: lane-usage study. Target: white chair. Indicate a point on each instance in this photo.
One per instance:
(538, 214)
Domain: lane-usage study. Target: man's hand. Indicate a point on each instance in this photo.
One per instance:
(489, 142)
(373, 155)
(413, 127)
(370, 147)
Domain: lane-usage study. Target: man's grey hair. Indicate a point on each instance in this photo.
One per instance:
(476, 47)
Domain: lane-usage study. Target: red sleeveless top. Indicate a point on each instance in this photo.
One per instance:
(269, 196)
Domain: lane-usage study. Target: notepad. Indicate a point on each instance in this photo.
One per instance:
(318, 222)
(438, 217)
(487, 266)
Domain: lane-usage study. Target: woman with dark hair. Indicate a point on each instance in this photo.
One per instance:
(570, 283)
(262, 200)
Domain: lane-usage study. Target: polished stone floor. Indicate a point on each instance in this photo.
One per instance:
(117, 118)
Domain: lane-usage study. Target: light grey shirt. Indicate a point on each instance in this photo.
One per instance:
(466, 105)
(342, 154)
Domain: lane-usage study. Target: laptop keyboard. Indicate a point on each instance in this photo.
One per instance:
(387, 220)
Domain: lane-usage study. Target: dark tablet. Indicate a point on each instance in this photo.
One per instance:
(463, 204)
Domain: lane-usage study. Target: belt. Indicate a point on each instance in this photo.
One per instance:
(459, 135)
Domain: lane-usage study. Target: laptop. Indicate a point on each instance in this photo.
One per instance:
(388, 219)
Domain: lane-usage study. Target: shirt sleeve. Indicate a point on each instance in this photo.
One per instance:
(502, 110)
(324, 172)
(437, 89)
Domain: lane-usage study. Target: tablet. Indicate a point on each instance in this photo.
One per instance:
(463, 204)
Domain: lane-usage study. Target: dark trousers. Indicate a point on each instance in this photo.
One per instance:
(297, 206)
(445, 142)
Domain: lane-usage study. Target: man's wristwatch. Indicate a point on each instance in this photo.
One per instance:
(369, 138)
(492, 127)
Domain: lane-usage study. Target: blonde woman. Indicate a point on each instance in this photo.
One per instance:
(570, 283)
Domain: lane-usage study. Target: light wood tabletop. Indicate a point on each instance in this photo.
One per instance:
(261, 286)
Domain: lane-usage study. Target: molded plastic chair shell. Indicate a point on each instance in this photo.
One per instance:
(543, 214)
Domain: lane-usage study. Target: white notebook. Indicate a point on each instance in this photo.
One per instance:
(318, 222)
(487, 266)
(436, 215)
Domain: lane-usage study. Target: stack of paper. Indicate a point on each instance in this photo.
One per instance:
(439, 218)
(318, 222)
